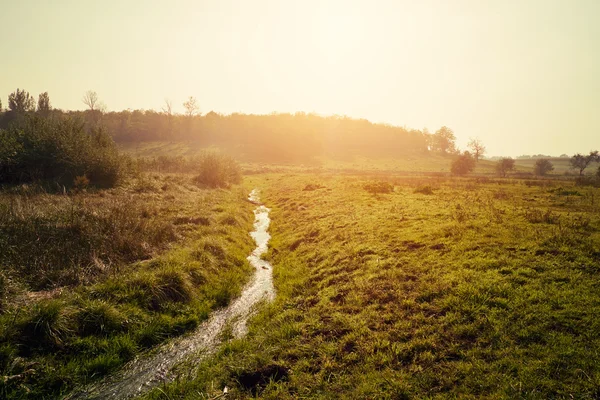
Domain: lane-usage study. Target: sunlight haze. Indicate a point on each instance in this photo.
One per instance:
(520, 75)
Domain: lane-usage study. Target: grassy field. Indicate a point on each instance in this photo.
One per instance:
(90, 279)
(562, 166)
(415, 164)
(442, 288)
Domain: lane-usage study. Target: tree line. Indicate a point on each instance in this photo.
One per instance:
(273, 137)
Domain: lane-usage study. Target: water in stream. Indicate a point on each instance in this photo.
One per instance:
(146, 372)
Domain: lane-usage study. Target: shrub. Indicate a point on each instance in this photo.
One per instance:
(542, 167)
(424, 189)
(379, 187)
(463, 164)
(58, 150)
(218, 170)
(505, 165)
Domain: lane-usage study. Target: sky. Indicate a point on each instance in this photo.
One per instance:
(523, 76)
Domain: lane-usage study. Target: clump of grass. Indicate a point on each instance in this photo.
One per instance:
(45, 327)
(97, 317)
(537, 216)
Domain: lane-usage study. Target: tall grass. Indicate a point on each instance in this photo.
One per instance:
(75, 238)
(106, 307)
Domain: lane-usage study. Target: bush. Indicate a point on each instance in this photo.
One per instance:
(542, 167)
(505, 165)
(379, 187)
(58, 150)
(218, 170)
(424, 189)
(463, 164)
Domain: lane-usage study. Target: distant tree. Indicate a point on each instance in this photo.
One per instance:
(0, 105)
(463, 164)
(44, 103)
(21, 101)
(581, 162)
(191, 107)
(477, 148)
(168, 107)
(168, 111)
(444, 140)
(543, 166)
(505, 165)
(90, 99)
(564, 156)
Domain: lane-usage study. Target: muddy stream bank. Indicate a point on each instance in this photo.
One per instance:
(148, 371)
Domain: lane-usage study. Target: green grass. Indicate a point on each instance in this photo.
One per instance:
(473, 288)
(89, 280)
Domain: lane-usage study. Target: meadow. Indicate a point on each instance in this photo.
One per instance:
(92, 277)
(420, 287)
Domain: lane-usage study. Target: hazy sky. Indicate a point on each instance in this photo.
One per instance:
(522, 75)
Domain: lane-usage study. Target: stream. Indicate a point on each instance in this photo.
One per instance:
(147, 371)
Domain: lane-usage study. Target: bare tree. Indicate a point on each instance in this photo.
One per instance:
(90, 99)
(477, 147)
(168, 110)
(168, 107)
(191, 107)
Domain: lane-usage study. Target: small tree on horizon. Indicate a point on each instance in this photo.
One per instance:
(43, 105)
(476, 147)
(505, 165)
(463, 164)
(581, 162)
(191, 106)
(21, 102)
(444, 141)
(90, 99)
(542, 167)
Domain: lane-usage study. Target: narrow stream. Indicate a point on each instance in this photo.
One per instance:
(146, 372)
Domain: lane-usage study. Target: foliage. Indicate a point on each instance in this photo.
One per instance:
(581, 162)
(58, 150)
(504, 165)
(463, 164)
(218, 170)
(20, 102)
(542, 166)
